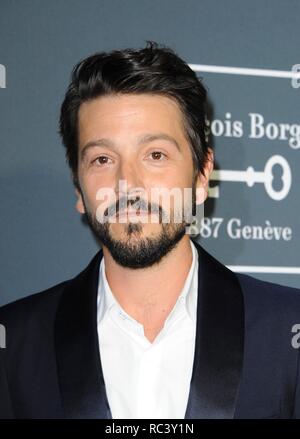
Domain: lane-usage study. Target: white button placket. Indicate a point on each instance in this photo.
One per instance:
(146, 390)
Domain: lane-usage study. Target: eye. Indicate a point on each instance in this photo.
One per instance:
(101, 160)
(157, 155)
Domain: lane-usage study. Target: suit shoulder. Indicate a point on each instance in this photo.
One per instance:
(42, 306)
(270, 294)
(35, 304)
(254, 284)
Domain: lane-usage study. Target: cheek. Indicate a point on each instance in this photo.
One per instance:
(167, 178)
(102, 194)
(172, 181)
(169, 181)
(177, 192)
(89, 194)
(92, 183)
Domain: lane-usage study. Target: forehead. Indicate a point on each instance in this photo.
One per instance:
(129, 114)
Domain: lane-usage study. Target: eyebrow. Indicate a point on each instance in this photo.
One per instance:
(147, 138)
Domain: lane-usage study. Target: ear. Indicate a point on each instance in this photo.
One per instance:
(79, 202)
(202, 183)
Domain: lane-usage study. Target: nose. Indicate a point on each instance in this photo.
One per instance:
(130, 175)
(130, 183)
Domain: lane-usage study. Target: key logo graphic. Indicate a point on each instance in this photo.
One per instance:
(250, 177)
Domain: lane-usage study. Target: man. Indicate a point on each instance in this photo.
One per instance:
(154, 327)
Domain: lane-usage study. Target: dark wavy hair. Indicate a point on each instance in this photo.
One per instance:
(154, 69)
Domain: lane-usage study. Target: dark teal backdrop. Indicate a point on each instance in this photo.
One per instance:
(43, 240)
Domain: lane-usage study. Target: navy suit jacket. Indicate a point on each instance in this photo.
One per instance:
(244, 363)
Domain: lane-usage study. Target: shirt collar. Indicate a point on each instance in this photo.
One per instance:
(188, 295)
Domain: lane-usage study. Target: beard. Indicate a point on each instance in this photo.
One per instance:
(136, 251)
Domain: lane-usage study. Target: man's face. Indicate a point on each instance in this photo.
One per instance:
(139, 139)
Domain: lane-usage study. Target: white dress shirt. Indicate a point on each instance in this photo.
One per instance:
(144, 379)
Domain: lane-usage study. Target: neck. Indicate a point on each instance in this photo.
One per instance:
(149, 294)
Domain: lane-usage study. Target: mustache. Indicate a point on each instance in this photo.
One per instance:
(138, 204)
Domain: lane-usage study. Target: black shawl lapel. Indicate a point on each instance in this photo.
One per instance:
(219, 343)
(78, 359)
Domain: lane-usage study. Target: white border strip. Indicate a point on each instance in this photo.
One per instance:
(262, 269)
(245, 71)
